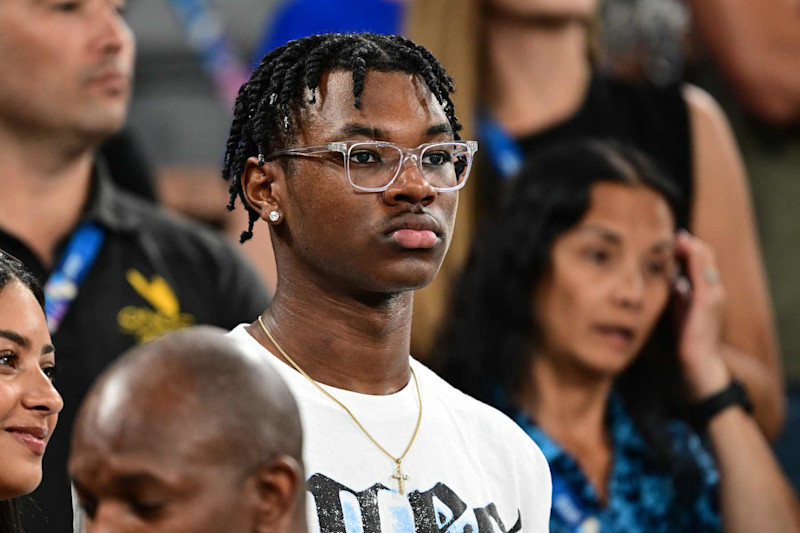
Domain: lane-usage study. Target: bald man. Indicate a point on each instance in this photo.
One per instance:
(188, 433)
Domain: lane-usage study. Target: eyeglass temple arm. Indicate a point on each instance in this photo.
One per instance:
(309, 151)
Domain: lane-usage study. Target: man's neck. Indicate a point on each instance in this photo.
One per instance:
(341, 341)
(44, 186)
(568, 403)
(539, 75)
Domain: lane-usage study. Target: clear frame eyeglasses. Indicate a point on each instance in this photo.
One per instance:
(372, 166)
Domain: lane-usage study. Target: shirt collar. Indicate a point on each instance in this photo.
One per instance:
(623, 431)
(104, 203)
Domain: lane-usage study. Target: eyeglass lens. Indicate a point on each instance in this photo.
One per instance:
(374, 165)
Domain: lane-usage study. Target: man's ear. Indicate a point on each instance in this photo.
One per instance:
(280, 486)
(263, 187)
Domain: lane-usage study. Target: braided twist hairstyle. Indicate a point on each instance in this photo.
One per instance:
(267, 109)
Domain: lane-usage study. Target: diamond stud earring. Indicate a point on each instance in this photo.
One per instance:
(274, 216)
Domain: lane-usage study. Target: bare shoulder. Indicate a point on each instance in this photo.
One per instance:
(703, 108)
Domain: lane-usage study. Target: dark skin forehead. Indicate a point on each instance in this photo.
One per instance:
(417, 120)
(179, 405)
(149, 431)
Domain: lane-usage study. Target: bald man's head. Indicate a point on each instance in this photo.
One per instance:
(189, 433)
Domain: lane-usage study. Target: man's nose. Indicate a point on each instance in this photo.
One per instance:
(111, 32)
(410, 186)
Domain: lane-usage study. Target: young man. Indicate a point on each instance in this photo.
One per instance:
(117, 270)
(189, 433)
(347, 146)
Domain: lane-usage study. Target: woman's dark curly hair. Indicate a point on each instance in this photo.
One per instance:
(491, 335)
(11, 269)
(268, 109)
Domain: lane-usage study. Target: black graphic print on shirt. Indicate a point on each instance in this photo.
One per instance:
(379, 509)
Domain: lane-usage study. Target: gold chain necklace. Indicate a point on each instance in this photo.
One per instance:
(398, 470)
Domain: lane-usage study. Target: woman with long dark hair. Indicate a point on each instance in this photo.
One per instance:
(29, 403)
(562, 319)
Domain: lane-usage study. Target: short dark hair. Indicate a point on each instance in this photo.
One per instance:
(265, 116)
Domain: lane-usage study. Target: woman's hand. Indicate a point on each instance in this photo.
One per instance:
(700, 304)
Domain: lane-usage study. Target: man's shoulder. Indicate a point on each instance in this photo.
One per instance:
(172, 232)
(154, 217)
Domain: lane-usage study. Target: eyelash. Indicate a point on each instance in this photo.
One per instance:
(51, 372)
(9, 359)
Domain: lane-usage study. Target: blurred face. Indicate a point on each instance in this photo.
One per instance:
(547, 8)
(72, 63)
(378, 242)
(143, 472)
(29, 404)
(610, 280)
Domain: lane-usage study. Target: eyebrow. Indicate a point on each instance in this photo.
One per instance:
(614, 238)
(356, 129)
(14, 337)
(138, 479)
(23, 342)
(602, 232)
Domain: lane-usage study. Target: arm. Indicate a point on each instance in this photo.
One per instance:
(754, 494)
(756, 44)
(723, 217)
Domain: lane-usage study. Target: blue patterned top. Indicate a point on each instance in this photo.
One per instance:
(640, 498)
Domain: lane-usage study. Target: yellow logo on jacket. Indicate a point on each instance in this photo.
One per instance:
(146, 324)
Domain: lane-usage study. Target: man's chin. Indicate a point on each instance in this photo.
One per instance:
(97, 129)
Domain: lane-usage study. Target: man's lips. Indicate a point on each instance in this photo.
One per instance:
(414, 231)
(34, 437)
(413, 238)
(113, 79)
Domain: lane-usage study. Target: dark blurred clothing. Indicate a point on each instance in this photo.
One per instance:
(653, 119)
(154, 273)
(301, 18)
(128, 166)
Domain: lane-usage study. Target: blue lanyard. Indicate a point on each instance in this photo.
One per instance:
(504, 152)
(63, 284)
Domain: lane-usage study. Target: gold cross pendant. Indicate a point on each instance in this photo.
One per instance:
(400, 477)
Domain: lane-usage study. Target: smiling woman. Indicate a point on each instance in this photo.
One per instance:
(29, 404)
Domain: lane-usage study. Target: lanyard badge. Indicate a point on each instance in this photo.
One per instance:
(62, 286)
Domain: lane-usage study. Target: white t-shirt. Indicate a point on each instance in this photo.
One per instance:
(471, 468)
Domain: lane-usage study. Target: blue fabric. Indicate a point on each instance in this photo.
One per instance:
(640, 499)
(301, 18)
(789, 442)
